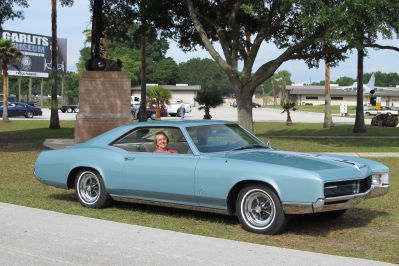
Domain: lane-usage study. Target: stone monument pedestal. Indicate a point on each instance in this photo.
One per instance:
(104, 103)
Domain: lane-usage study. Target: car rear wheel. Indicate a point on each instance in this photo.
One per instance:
(90, 190)
(69, 110)
(259, 210)
(29, 114)
(76, 110)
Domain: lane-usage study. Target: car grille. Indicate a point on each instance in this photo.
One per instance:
(345, 188)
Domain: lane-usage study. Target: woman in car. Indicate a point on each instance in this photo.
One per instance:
(161, 142)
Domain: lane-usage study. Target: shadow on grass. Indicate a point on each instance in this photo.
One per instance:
(322, 225)
(157, 210)
(64, 197)
(30, 139)
(176, 213)
(312, 225)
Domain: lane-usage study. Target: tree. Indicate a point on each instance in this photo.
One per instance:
(208, 99)
(166, 71)
(160, 95)
(277, 80)
(345, 81)
(287, 107)
(8, 56)
(365, 22)
(242, 26)
(72, 87)
(151, 17)
(54, 119)
(204, 72)
(327, 104)
(7, 10)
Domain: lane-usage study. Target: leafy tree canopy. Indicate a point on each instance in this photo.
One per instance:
(296, 27)
(279, 79)
(166, 71)
(7, 10)
(205, 72)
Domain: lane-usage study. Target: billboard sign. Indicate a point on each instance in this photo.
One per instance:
(36, 50)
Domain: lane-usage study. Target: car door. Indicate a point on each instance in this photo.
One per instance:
(163, 177)
(12, 110)
(20, 109)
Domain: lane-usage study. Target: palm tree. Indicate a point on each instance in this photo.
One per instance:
(8, 56)
(208, 99)
(160, 95)
(287, 108)
(54, 118)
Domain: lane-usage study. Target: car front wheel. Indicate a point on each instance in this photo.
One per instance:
(29, 114)
(90, 190)
(259, 210)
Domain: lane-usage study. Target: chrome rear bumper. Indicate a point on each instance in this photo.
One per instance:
(333, 204)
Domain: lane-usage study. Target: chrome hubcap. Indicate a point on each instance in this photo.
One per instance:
(89, 187)
(258, 209)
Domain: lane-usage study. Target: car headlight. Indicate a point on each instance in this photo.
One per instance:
(380, 179)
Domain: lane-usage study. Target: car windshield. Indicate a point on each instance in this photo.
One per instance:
(223, 137)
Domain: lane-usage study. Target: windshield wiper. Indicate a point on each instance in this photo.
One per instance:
(250, 146)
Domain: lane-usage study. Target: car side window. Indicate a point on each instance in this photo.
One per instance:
(141, 139)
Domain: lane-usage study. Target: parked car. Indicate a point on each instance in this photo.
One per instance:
(173, 107)
(383, 110)
(71, 108)
(21, 109)
(253, 104)
(219, 167)
(256, 105)
(385, 120)
(151, 111)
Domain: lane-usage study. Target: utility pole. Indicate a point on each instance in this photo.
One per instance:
(19, 88)
(30, 90)
(41, 94)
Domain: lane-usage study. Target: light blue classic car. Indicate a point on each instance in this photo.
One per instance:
(218, 167)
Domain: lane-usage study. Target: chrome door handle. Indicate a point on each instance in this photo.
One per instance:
(129, 158)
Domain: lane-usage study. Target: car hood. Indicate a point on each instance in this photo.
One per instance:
(329, 168)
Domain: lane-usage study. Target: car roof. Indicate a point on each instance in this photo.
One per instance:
(182, 123)
(111, 135)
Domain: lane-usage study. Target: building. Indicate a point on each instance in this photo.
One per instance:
(308, 94)
(180, 92)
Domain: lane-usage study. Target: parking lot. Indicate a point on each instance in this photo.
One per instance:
(230, 114)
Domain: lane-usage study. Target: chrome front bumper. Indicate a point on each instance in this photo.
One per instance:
(333, 204)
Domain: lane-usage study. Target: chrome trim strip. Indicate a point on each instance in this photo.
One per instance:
(348, 197)
(169, 205)
(297, 208)
(333, 204)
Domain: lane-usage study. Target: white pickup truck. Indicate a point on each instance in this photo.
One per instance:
(172, 108)
(383, 110)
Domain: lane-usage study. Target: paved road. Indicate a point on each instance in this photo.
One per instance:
(230, 114)
(38, 237)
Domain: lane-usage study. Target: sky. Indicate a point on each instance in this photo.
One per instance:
(72, 21)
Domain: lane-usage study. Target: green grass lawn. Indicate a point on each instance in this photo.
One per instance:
(316, 108)
(280, 136)
(371, 230)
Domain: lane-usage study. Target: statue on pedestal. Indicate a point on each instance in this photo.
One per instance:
(97, 60)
